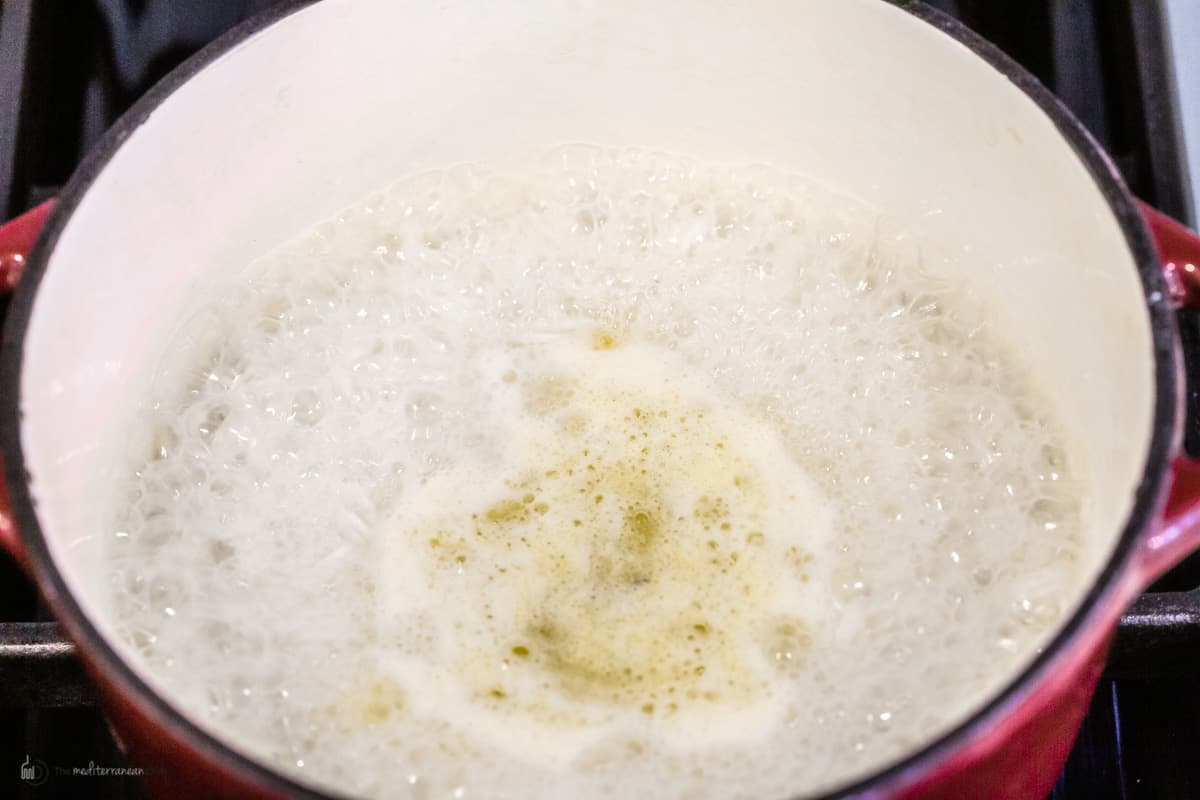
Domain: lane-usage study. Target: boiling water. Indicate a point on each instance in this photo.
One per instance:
(617, 475)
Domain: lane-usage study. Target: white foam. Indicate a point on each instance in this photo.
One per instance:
(833, 514)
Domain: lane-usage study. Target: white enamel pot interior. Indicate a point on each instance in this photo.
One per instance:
(283, 124)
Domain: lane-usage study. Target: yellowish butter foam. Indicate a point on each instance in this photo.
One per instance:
(615, 475)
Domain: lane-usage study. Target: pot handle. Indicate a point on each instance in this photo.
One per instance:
(1179, 533)
(16, 240)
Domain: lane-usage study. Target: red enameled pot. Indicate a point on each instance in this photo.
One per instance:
(294, 115)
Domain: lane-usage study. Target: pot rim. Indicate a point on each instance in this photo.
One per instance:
(131, 687)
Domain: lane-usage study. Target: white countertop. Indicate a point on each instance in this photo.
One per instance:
(1183, 24)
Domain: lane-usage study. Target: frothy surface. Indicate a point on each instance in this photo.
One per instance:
(615, 475)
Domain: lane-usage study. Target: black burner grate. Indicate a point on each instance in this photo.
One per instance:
(67, 70)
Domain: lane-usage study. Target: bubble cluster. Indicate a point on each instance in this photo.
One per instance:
(339, 544)
(639, 549)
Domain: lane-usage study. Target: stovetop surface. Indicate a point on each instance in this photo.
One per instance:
(1107, 59)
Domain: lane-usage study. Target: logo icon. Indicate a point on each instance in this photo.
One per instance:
(33, 771)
